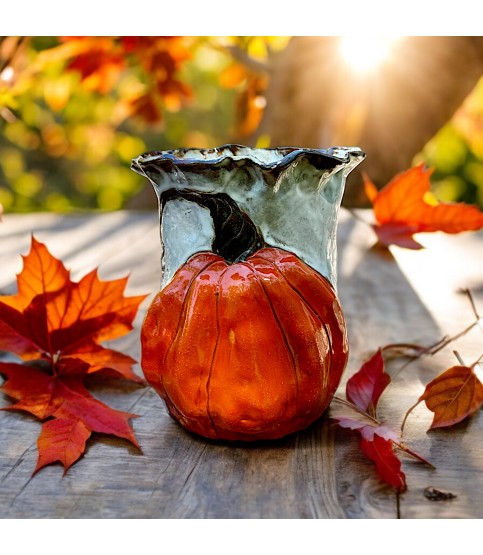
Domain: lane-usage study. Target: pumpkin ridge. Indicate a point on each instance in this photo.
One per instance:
(182, 318)
(183, 309)
(284, 335)
(317, 315)
(217, 302)
(324, 324)
(304, 300)
(306, 303)
(147, 336)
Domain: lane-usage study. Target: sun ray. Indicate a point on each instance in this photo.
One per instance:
(366, 54)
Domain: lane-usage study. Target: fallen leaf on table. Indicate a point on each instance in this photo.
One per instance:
(359, 413)
(363, 391)
(453, 396)
(388, 466)
(406, 206)
(366, 386)
(349, 416)
(55, 325)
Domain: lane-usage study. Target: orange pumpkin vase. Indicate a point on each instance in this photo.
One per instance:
(246, 342)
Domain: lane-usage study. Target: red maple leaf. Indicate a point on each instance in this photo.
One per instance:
(359, 413)
(56, 325)
(406, 206)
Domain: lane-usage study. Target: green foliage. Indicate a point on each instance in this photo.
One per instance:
(65, 147)
(456, 153)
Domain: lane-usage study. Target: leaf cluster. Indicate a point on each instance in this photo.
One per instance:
(56, 326)
(454, 395)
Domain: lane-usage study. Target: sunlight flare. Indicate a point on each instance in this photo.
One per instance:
(365, 54)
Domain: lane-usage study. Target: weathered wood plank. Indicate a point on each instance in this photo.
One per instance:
(318, 473)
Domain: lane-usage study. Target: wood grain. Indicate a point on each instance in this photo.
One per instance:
(317, 473)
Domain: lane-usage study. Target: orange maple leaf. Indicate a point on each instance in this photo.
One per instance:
(56, 324)
(406, 206)
(453, 396)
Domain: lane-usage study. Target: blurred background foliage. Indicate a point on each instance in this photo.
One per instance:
(456, 153)
(74, 111)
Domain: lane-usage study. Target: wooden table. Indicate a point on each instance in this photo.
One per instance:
(397, 296)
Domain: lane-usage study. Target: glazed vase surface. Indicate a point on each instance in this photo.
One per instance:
(246, 338)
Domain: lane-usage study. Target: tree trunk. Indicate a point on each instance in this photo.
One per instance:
(315, 100)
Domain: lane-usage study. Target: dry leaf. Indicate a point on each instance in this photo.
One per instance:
(453, 396)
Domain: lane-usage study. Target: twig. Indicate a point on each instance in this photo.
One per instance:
(406, 416)
(442, 343)
(477, 362)
(460, 360)
(355, 408)
(9, 59)
(472, 302)
(401, 346)
(240, 55)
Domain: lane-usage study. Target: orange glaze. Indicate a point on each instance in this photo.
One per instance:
(245, 351)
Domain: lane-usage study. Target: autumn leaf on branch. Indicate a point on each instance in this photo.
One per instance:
(56, 325)
(406, 206)
(359, 413)
(100, 62)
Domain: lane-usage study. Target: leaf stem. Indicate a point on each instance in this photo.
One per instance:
(406, 416)
(406, 449)
(446, 341)
(442, 343)
(355, 408)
